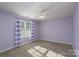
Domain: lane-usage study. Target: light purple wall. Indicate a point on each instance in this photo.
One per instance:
(6, 30)
(7, 26)
(76, 31)
(58, 30)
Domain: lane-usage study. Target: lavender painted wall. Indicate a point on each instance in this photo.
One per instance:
(76, 31)
(6, 30)
(58, 30)
(7, 26)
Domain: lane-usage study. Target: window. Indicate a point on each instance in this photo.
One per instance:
(26, 27)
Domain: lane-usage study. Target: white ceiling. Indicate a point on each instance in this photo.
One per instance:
(33, 9)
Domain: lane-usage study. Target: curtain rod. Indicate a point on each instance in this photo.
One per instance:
(22, 18)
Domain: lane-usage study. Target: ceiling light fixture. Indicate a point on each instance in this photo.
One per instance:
(42, 16)
(43, 12)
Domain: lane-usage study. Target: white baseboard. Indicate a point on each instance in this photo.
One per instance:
(16, 46)
(32, 41)
(6, 49)
(12, 47)
(57, 41)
